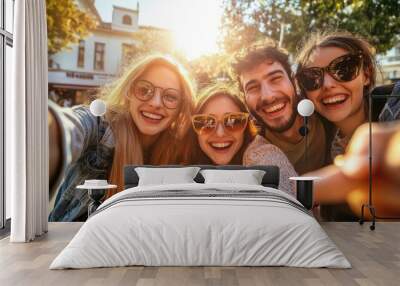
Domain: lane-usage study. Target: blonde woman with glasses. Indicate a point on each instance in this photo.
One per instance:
(148, 114)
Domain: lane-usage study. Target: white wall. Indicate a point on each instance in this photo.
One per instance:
(68, 60)
(9, 11)
(389, 65)
(117, 16)
(8, 85)
(393, 52)
(9, 26)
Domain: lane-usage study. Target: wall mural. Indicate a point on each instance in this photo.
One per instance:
(246, 103)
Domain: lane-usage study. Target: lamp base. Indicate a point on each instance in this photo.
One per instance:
(304, 193)
(372, 212)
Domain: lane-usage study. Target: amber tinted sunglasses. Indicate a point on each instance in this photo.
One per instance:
(204, 124)
(344, 68)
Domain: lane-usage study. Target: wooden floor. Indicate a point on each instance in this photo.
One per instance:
(374, 255)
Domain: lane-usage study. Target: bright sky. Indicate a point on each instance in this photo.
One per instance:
(194, 22)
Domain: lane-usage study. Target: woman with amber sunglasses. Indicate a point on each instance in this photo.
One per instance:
(226, 135)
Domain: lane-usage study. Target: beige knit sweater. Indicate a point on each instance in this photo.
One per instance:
(260, 152)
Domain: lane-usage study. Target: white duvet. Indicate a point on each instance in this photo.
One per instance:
(188, 231)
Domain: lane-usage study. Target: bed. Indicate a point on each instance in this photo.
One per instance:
(201, 224)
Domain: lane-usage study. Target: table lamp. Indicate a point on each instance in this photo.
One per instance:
(98, 108)
(305, 108)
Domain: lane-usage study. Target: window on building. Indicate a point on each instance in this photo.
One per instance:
(128, 51)
(99, 49)
(6, 62)
(127, 20)
(81, 54)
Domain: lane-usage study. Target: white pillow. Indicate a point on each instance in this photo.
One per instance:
(164, 176)
(248, 177)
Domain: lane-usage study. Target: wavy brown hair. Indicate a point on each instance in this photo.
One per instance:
(344, 40)
(257, 53)
(128, 148)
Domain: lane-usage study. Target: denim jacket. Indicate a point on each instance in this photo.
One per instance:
(391, 110)
(80, 161)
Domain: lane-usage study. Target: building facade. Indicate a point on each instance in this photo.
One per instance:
(76, 74)
(390, 65)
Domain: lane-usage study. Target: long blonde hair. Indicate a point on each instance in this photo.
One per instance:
(128, 149)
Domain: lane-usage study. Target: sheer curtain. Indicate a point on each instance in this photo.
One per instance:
(26, 124)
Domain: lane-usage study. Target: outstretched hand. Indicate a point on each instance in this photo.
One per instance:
(348, 179)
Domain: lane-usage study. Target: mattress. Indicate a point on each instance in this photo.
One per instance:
(201, 225)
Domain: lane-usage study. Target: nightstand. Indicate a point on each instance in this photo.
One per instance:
(96, 194)
(304, 190)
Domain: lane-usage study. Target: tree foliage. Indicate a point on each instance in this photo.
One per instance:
(246, 21)
(154, 40)
(210, 68)
(66, 24)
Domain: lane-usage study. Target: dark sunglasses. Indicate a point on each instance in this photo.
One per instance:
(145, 90)
(344, 68)
(204, 124)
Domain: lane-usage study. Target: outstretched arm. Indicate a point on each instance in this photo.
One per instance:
(55, 154)
(348, 179)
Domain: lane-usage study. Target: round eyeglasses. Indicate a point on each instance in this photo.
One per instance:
(145, 90)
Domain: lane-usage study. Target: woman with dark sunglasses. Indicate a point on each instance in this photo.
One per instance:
(224, 134)
(148, 115)
(337, 71)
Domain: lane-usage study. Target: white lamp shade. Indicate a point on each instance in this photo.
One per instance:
(98, 107)
(305, 107)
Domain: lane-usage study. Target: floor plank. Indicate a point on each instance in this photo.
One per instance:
(374, 255)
